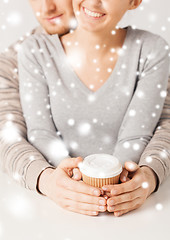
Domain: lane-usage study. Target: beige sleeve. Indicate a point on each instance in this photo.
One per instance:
(157, 153)
(18, 158)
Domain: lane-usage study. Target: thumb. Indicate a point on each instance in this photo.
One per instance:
(76, 174)
(131, 166)
(70, 162)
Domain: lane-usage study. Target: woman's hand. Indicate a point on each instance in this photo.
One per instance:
(138, 184)
(68, 193)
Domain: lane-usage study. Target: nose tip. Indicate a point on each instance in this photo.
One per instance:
(48, 6)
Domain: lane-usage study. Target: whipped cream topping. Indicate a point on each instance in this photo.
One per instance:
(100, 166)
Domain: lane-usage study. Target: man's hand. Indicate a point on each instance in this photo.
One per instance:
(68, 193)
(138, 184)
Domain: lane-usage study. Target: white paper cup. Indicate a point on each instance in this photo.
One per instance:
(100, 169)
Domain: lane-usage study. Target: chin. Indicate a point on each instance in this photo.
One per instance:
(54, 29)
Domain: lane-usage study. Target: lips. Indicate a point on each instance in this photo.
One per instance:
(53, 19)
(93, 14)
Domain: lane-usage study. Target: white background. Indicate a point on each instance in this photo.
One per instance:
(17, 18)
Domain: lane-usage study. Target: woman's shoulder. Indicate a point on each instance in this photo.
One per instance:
(149, 44)
(147, 39)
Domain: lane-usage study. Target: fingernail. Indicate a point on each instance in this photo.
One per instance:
(112, 208)
(111, 202)
(104, 188)
(102, 207)
(117, 214)
(96, 193)
(124, 178)
(76, 175)
(94, 212)
(101, 202)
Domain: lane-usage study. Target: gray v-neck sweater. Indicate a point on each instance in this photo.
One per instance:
(65, 118)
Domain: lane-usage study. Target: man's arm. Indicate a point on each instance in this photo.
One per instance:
(18, 158)
(157, 153)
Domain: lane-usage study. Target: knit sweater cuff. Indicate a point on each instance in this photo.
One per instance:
(33, 172)
(157, 167)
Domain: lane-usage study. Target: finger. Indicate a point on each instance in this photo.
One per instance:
(70, 172)
(107, 188)
(131, 166)
(126, 197)
(76, 174)
(128, 186)
(108, 194)
(70, 163)
(79, 186)
(120, 213)
(123, 175)
(85, 212)
(84, 198)
(124, 206)
(67, 203)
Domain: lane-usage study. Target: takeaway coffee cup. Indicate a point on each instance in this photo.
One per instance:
(100, 169)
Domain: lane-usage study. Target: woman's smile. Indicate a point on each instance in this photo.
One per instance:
(93, 14)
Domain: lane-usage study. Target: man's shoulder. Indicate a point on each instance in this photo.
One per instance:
(39, 42)
(13, 49)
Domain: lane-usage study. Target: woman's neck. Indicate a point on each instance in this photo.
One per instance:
(91, 41)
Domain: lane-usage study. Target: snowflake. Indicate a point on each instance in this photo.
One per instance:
(136, 146)
(14, 18)
(91, 98)
(10, 116)
(74, 145)
(97, 47)
(157, 106)
(72, 85)
(145, 185)
(20, 206)
(84, 129)
(37, 14)
(159, 206)
(56, 151)
(112, 50)
(95, 120)
(17, 177)
(126, 145)
(9, 133)
(113, 32)
(163, 94)
(28, 97)
(71, 122)
(32, 158)
(132, 113)
(148, 159)
(140, 94)
(73, 23)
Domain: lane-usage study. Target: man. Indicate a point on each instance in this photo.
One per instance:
(25, 164)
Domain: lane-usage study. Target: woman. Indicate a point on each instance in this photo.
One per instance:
(97, 89)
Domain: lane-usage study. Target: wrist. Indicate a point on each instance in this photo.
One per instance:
(43, 180)
(152, 178)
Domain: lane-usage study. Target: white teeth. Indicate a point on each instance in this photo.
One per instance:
(92, 14)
